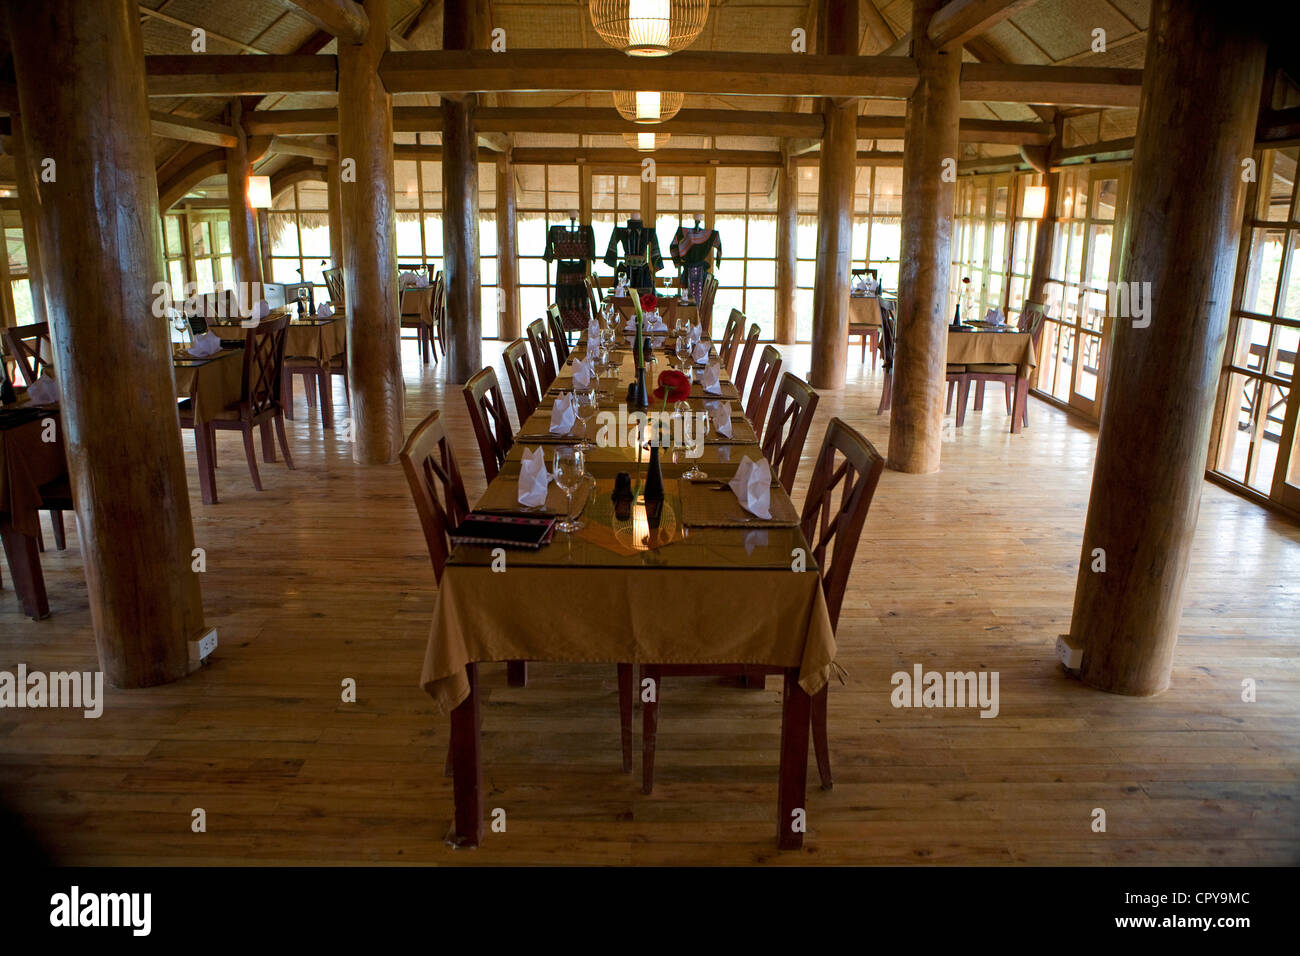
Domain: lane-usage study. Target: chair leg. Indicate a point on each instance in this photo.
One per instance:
(820, 744)
(886, 393)
(1007, 389)
(962, 396)
(979, 395)
(311, 392)
(284, 441)
(247, 432)
(948, 406)
(446, 767)
(56, 521)
(517, 673)
(268, 444)
(625, 685)
(325, 385)
(286, 394)
(649, 728)
(204, 449)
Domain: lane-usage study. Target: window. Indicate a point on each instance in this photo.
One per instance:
(546, 196)
(300, 235)
(20, 286)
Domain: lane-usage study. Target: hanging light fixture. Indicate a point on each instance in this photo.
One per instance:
(259, 192)
(1035, 202)
(647, 106)
(647, 142)
(649, 27)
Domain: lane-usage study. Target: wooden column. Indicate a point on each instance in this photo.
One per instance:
(507, 250)
(838, 165)
(1042, 261)
(29, 204)
(98, 231)
(787, 226)
(929, 191)
(243, 217)
(1200, 96)
(264, 243)
(464, 347)
(370, 247)
(335, 200)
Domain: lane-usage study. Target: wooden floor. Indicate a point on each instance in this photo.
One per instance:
(324, 576)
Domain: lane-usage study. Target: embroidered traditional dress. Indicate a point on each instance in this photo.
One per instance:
(640, 252)
(691, 250)
(575, 250)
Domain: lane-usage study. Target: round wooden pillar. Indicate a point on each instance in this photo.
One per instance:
(838, 166)
(370, 247)
(243, 217)
(787, 212)
(335, 200)
(507, 251)
(1200, 98)
(98, 230)
(929, 191)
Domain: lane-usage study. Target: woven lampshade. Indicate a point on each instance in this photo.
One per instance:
(647, 107)
(649, 27)
(647, 142)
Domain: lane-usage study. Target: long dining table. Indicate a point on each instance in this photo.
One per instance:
(749, 588)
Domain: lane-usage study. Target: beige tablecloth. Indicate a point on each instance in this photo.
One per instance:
(302, 340)
(213, 386)
(992, 348)
(864, 310)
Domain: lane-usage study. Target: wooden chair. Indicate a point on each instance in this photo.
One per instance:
(761, 389)
(542, 359)
(1031, 321)
(334, 282)
(705, 306)
(731, 338)
(843, 484)
(259, 407)
(32, 349)
(438, 308)
(519, 373)
(487, 412)
(436, 487)
(417, 313)
(787, 429)
(741, 372)
(888, 334)
(559, 340)
(593, 293)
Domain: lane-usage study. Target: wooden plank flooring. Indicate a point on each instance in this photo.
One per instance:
(324, 576)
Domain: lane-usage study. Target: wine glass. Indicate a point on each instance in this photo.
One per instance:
(695, 473)
(570, 473)
(682, 326)
(178, 323)
(684, 357)
(588, 402)
(302, 300)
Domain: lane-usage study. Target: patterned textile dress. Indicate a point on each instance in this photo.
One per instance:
(691, 250)
(575, 250)
(640, 252)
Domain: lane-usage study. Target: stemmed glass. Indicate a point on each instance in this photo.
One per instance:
(607, 334)
(570, 473)
(178, 323)
(684, 357)
(302, 301)
(588, 402)
(682, 326)
(695, 473)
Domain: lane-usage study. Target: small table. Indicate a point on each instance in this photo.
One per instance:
(995, 345)
(28, 462)
(865, 320)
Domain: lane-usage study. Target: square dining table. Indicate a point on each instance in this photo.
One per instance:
(987, 344)
(750, 588)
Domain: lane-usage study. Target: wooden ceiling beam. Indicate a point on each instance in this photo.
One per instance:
(292, 147)
(190, 130)
(737, 74)
(633, 157)
(1051, 85)
(229, 75)
(959, 20)
(344, 19)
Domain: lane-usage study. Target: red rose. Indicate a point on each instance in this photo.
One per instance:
(649, 302)
(673, 386)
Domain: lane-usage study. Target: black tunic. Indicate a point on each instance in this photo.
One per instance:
(640, 252)
(575, 250)
(691, 250)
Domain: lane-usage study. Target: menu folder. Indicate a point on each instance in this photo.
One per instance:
(504, 531)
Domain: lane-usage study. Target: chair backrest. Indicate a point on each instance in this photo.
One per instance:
(438, 305)
(31, 348)
(746, 357)
(519, 373)
(334, 282)
(560, 340)
(264, 365)
(595, 283)
(731, 338)
(761, 389)
(1031, 320)
(436, 487)
(593, 296)
(487, 411)
(787, 429)
(418, 302)
(705, 306)
(546, 367)
(888, 336)
(849, 462)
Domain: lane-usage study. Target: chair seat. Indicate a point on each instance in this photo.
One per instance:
(956, 369)
(992, 369)
(186, 410)
(856, 328)
(300, 361)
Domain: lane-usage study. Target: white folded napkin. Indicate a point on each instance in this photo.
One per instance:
(700, 352)
(593, 330)
(45, 390)
(421, 280)
(324, 310)
(720, 414)
(655, 323)
(697, 331)
(261, 309)
(631, 323)
(406, 280)
(620, 290)
(533, 479)
(753, 487)
(582, 373)
(994, 317)
(563, 414)
(205, 344)
(708, 379)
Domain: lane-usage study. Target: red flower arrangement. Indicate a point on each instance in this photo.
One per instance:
(649, 302)
(673, 386)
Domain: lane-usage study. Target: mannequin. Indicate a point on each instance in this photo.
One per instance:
(692, 249)
(574, 247)
(640, 253)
